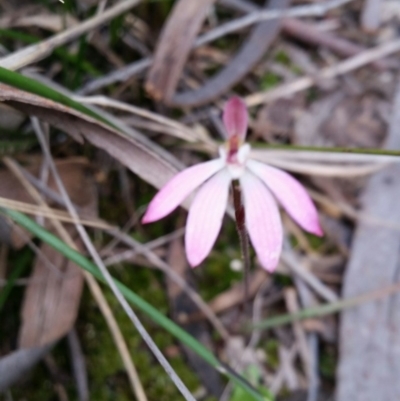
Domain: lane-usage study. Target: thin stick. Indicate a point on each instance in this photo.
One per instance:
(140, 66)
(243, 238)
(138, 249)
(313, 282)
(78, 365)
(94, 287)
(60, 215)
(253, 18)
(38, 51)
(103, 269)
(180, 130)
(341, 68)
(298, 331)
(165, 268)
(129, 254)
(327, 309)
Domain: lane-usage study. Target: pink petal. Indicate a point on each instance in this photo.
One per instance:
(178, 188)
(263, 221)
(205, 217)
(291, 194)
(235, 117)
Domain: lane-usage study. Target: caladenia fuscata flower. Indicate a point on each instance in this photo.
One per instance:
(261, 187)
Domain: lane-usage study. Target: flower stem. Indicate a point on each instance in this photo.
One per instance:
(243, 237)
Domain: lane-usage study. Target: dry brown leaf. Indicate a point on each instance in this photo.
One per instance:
(79, 185)
(10, 188)
(275, 121)
(176, 41)
(234, 295)
(71, 172)
(53, 295)
(174, 46)
(355, 122)
(141, 156)
(51, 299)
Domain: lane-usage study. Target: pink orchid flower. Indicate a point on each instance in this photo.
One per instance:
(261, 186)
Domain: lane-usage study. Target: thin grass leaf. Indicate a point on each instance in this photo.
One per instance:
(142, 156)
(137, 301)
(326, 309)
(294, 148)
(32, 86)
(61, 52)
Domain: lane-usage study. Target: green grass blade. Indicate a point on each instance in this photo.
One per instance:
(326, 309)
(31, 85)
(132, 297)
(294, 148)
(61, 52)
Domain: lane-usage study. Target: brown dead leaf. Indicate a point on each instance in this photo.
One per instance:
(173, 48)
(53, 295)
(276, 120)
(307, 124)
(338, 120)
(234, 296)
(77, 182)
(72, 173)
(173, 51)
(143, 157)
(51, 299)
(355, 122)
(12, 189)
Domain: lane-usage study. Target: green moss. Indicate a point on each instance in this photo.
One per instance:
(314, 241)
(106, 373)
(283, 58)
(107, 377)
(214, 275)
(272, 352)
(254, 376)
(269, 81)
(328, 362)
